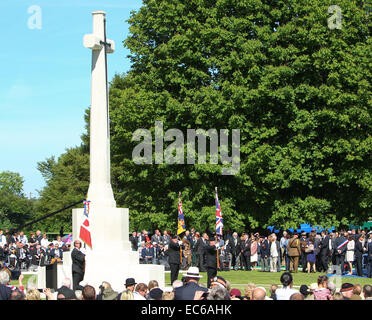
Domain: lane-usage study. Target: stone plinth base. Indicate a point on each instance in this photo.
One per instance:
(101, 266)
(111, 258)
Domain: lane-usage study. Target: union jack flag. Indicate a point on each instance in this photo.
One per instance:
(85, 235)
(219, 220)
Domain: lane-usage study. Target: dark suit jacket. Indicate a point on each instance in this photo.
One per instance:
(156, 238)
(173, 253)
(211, 256)
(147, 252)
(18, 253)
(234, 249)
(358, 249)
(134, 242)
(78, 259)
(5, 292)
(199, 247)
(324, 246)
(369, 251)
(38, 238)
(54, 255)
(246, 248)
(35, 257)
(187, 292)
(317, 245)
(338, 241)
(265, 249)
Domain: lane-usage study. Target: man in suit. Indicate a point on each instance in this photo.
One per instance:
(234, 249)
(245, 249)
(174, 258)
(317, 242)
(147, 253)
(134, 241)
(331, 255)
(56, 253)
(37, 256)
(156, 253)
(39, 236)
(265, 254)
(358, 252)
(211, 259)
(294, 252)
(200, 251)
(340, 251)
(303, 244)
(323, 251)
(156, 237)
(188, 290)
(21, 255)
(78, 265)
(369, 259)
(165, 238)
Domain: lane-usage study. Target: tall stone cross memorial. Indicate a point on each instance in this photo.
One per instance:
(110, 258)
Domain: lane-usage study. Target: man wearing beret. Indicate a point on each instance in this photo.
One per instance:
(347, 290)
(174, 257)
(211, 260)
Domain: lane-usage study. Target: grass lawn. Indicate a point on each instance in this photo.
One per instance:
(239, 279)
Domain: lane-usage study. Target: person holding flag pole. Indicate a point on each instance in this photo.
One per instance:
(212, 249)
(181, 223)
(174, 251)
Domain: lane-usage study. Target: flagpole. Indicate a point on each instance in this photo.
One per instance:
(218, 260)
(179, 200)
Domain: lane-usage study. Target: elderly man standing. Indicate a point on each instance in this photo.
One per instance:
(245, 248)
(78, 264)
(283, 248)
(234, 248)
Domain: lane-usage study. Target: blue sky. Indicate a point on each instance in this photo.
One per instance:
(45, 78)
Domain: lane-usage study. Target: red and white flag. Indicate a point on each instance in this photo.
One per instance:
(84, 228)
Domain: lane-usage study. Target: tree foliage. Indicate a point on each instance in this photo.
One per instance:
(298, 91)
(15, 208)
(67, 181)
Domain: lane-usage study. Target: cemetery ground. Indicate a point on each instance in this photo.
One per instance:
(239, 279)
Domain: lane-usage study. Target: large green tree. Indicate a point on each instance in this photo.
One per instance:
(298, 91)
(15, 207)
(296, 88)
(67, 181)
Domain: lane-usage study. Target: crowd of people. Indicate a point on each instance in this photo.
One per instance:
(188, 288)
(22, 253)
(336, 252)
